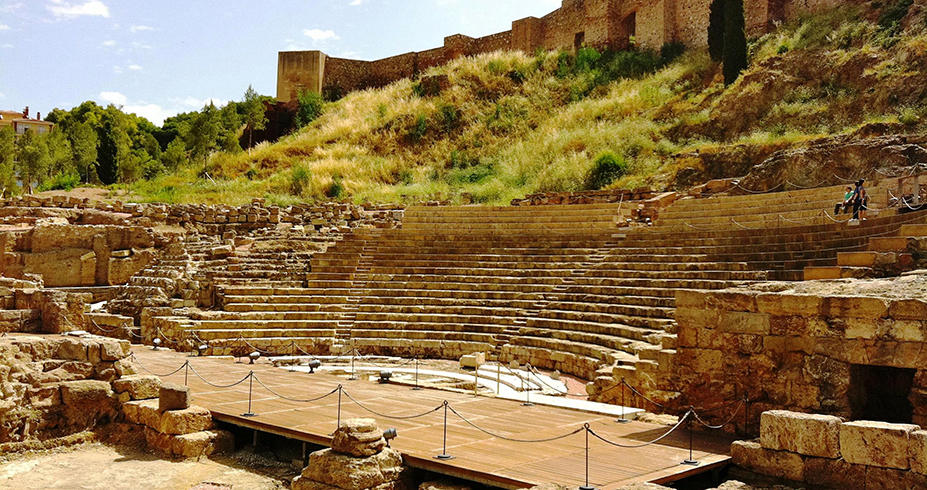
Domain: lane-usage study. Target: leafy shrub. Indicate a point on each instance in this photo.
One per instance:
(449, 117)
(60, 181)
(299, 181)
(607, 168)
(782, 49)
(470, 175)
(851, 33)
(908, 116)
(496, 67)
(418, 89)
(310, 108)
(461, 159)
(406, 177)
(672, 50)
(336, 189)
(419, 130)
(587, 59)
(565, 64)
(890, 20)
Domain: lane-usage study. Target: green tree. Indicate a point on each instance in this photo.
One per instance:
(33, 158)
(175, 156)
(310, 108)
(115, 145)
(735, 41)
(202, 135)
(230, 123)
(61, 157)
(84, 141)
(716, 28)
(7, 158)
(254, 113)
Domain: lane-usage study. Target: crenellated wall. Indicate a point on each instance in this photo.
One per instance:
(597, 23)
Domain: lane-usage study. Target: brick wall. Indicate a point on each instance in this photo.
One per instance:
(598, 23)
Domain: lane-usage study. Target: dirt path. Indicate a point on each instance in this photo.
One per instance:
(100, 467)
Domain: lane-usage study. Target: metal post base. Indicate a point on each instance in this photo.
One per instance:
(586, 488)
(352, 378)
(690, 462)
(249, 414)
(527, 404)
(623, 421)
(444, 457)
(417, 388)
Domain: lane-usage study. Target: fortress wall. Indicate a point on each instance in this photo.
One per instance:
(394, 68)
(561, 26)
(527, 34)
(794, 8)
(347, 74)
(431, 58)
(692, 22)
(299, 70)
(655, 24)
(495, 42)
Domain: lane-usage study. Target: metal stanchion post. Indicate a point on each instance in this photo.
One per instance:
(623, 419)
(499, 378)
(526, 387)
(444, 454)
(186, 372)
(416, 387)
(587, 486)
(476, 381)
(249, 413)
(691, 461)
(353, 376)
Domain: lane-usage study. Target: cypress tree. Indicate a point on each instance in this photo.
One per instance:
(716, 30)
(735, 41)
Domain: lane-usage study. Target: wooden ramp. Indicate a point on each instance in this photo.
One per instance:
(478, 456)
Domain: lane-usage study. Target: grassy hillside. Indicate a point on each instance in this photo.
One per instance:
(511, 124)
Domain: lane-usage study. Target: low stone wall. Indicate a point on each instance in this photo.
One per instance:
(826, 451)
(795, 351)
(54, 387)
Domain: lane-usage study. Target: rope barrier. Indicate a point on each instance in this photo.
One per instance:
(512, 439)
(721, 426)
(297, 400)
(197, 374)
(637, 446)
(393, 417)
(136, 361)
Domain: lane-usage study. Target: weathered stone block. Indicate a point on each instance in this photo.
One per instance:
(835, 473)
(745, 323)
(893, 479)
(358, 437)
(807, 434)
(173, 397)
(918, 451)
(352, 473)
(876, 443)
(779, 464)
(205, 443)
(180, 422)
(87, 401)
(143, 412)
(138, 387)
(789, 304)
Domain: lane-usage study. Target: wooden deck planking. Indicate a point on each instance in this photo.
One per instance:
(478, 456)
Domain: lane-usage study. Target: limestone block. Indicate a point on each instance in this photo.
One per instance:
(893, 479)
(124, 367)
(806, 434)
(44, 397)
(876, 443)
(473, 360)
(779, 464)
(143, 412)
(854, 307)
(358, 437)
(72, 350)
(181, 422)
(138, 387)
(352, 473)
(745, 323)
(173, 397)
(444, 485)
(87, 401)
(789, 304)
(205, 443)
(918, 448)
(835, 473)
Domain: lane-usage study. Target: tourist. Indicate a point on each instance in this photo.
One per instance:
(847, 197)
(860, 198)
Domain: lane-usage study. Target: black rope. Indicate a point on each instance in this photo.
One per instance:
(645, 444)
(506, 438)
(136, 361)
(297, 400)
(242, 380)
(394, 417)
(721, 426)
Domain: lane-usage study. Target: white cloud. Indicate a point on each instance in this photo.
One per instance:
(6, 46)
(357, 2)
(4, 27)
(2, 96)
(5, 9)
(92, 8)
(141, 28)
(138, 45)
(152, 112)
(113, 98)
(109, 44)
(117, 70)
(135, 67)
(318, 35)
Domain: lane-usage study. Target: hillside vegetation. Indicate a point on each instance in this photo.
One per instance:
(508, 124)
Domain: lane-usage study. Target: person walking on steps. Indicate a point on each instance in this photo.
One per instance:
(845, 203)
(859, 199)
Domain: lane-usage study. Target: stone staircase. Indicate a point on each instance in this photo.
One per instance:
(886, 255)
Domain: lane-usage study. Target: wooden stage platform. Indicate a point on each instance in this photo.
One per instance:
(477, 456)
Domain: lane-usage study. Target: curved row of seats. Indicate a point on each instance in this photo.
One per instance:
(557, 286)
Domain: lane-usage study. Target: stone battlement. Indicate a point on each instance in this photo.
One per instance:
(613, 24)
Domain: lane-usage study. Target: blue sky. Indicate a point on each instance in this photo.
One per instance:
(160, 57)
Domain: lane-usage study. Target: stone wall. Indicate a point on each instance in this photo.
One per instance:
(826, 451)
(795, 351)
(53, 387)
(597, 23)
